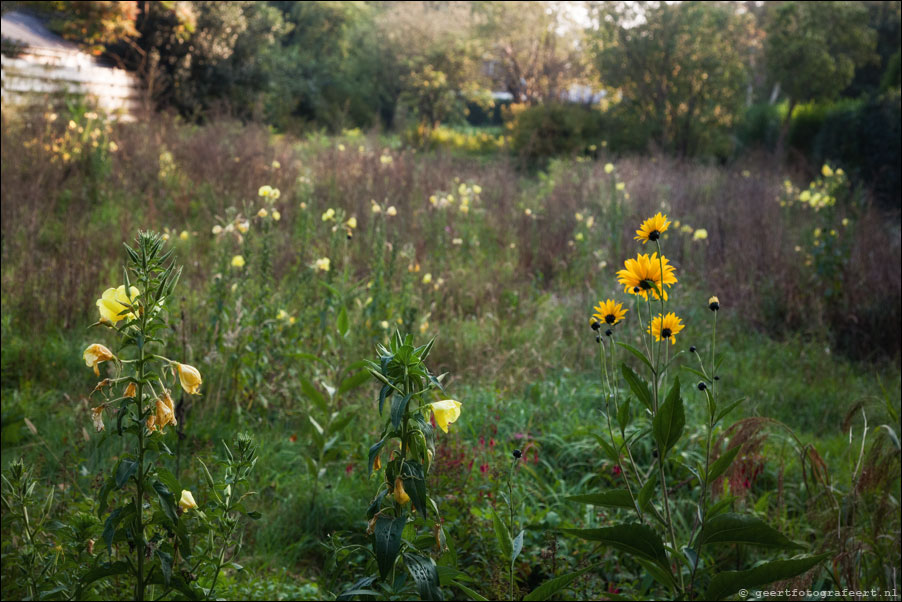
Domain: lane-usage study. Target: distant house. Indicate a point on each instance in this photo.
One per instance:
(37, 64)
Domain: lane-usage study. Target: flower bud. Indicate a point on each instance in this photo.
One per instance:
(190, 378)
(187, 501)
(702, 386)
(518, 454)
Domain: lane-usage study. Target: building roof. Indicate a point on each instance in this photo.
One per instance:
(27, 30)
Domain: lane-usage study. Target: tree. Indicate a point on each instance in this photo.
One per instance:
(679, 68)
(812, 50)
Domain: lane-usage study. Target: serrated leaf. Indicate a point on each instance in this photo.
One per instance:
(637, 385)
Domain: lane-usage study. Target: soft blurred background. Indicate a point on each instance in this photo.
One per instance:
(486, 164)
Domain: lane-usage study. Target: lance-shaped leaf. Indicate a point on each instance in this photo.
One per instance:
(670, 420)
(387, 542)
(742, 528)
(728, 583)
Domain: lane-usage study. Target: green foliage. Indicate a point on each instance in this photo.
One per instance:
(549, 130)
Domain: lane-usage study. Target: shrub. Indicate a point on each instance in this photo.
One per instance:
(550, 130)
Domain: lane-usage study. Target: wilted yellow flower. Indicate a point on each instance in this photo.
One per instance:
(375, 208)
(97, 417)
(237, 261)
(578, 216)
(609, 167)
(610, 312)
(323, 264)
(391, 211)
(190, 378)
(95, 354)
(700, 234)
(644, 274)
(826, 171)
(666, 327)
(164, 414)
(186, 502)
(131, 390)
(399, 494)
(329, 214)
(113, 303)
(243, 226)
(652, 228)
(445, 412)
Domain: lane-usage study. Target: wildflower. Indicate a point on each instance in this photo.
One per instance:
(713, 303)
(621, 186)
(131, 390)
(341, 148)
(457, 241)
(114, 303)
(445, 412)
(323, 264)
(609, 312)
(609, 167)
(666, 327)
(184, 235)
(385, 159)
(427, 278)
(164, 414)
(845, 221)
(652, 228)
(217, 230)
(645, 273)
(276, 164)
(399, 494)
(97, 417)
(391, 211)
(242, 225)
(186, 502)
(95, 354)
(276, 215)
(264, 191)
(238, 261)
(384, 324)
(282, 315)
(190, 378)
(700, 234)
(375, 208)
(826, 171)
(477, 189)
(262, 213)
(351, 223)
(329, 214)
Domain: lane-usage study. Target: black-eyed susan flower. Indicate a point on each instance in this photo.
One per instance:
(645, 273)
(666, 327)
(190, 378)
(446, 412)
(713, 303)
(95, 354)
(610, 312)
(652, 228)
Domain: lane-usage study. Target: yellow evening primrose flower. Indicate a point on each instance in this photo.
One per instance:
(609, 167)
(351, 223)
(329, 214)
(190, 378)
(95, 354)
(700, 234)
(323, 264)
(217, 230)
(243, 226)
(391, 211)
(237, 261)
(610, 312)
(445, 412)
(164, 414)
(262, 213)
(264, 191)
(652, 228)
(427, 278)
(477, 189)
(644, 274)
(399, 494)
(621, 186)
(114, 302)
(826, 171)
(131, 390)
(186, 502)
(276, 215)
(384, 324)
(666, 327)
(184, 235)
(375, 208)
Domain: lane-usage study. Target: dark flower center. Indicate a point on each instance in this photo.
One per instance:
(665, 333)
(645, 284)
(609, 318)
(654, 235)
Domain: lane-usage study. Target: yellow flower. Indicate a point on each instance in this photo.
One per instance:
(700, 234)
(113, 304)
(621, 186)
(652, 228)
(262, 212)
(97, 416)
(131, 390)
(264, 191)
(666, 327)
(95, 354)
(217, 230)
(610, 312)
(477, 189)
(826, 171)
(184, 235)
(385, 159)
(186, 502)
(445, 412)
(323, 264)
(644, 274)
(384, 324)
(609, 167)
(341, 148)
(243, 226)
(237, 261)
(375, 208)
(427, 278)
(329, 214)
(399, 494)
(713, 303)
(164, 415)
(190, 378)
(276, 215)
(351, 223)
(391, 211)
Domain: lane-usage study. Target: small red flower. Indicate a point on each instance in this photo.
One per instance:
(293, 438)
(484, 468)
(349, 468)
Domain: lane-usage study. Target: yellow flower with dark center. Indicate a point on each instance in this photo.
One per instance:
(95, 354)
(113, 304)
(646, 273)
(666, 327)
(445, 412)
(186, 502)
(610, 312)
(190, 378)
(652, 228)
(399, 494)
(713, 303)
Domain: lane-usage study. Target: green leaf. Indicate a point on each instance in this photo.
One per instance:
(553, 586)
(646, 492)
(342, 323)
(468, 592)
(638, 386)
(374, 451)
(659, 573)
(315, 396)
(125, 471)
(729, 408)
(99, 572)
(517, 546)
(623, 414)
(743, 528)
(502, 535)
(165, 565)
(728, 583)
(635, 539)
(638, 354)
(415, 486)
(425, 576)
(104, 495)
(353, 381)
(670, 420)
(398, 408)
(721, 464)
(607, 448)
(384, 393)
(167, 501)
(387, 542)
(613, 498)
